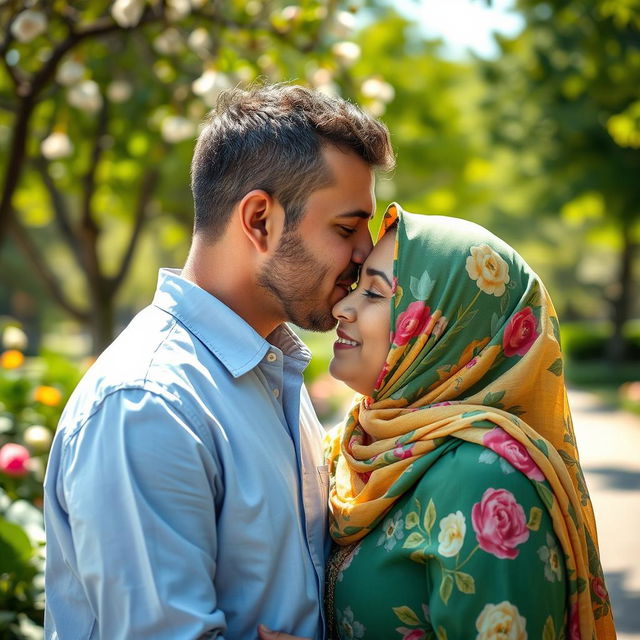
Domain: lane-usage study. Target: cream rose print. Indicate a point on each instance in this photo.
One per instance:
(488, 269)
(501, 622)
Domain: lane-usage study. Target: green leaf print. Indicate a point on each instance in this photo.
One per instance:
(429, 516)
(465, 582)
(441, 633)
(493, 399)
(549, 630)
(406, 615)
(556, 328)
(412, 520)
(421, 288)
(545, 494)
(446, 588)
(542, 445)
(535, 518)
(414, 540)
(556, 367)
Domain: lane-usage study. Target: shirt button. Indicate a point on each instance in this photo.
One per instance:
(271, 357)
(276, 393)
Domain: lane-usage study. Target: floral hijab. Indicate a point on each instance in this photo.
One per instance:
(475, 355)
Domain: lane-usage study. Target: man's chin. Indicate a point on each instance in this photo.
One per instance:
(319, 322)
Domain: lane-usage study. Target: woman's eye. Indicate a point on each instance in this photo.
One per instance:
(367, 293)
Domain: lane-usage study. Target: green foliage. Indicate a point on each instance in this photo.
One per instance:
(588, 341)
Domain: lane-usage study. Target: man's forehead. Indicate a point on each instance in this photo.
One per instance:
(358, 213)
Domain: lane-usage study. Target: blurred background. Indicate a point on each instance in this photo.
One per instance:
(521, 115)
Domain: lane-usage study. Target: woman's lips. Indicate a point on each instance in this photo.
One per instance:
(345, 342)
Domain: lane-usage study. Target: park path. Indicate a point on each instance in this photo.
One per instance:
(609, 445)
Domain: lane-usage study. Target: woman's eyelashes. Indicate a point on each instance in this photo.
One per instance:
(368, 293)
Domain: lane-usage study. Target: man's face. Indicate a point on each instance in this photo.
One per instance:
(315, 265)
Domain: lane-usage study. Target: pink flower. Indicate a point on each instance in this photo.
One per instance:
(381, 376)
(401, 453)
(513, 452)
(574, 623)
(597, 586)
(499, 523)
(411, 634)
(471, 363)
(13, 459)
(520, 333)
(411, 322)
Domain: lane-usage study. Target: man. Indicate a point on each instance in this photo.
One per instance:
(185, 492)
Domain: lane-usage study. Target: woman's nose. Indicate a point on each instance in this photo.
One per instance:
(343, 310)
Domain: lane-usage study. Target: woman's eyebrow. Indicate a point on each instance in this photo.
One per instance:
(375, 272)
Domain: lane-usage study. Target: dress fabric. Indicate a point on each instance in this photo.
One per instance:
(474, 364)
(426, 571)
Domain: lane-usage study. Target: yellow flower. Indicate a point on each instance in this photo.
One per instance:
(48, 395)
(11, 359)
(489, 270)
(501, 622)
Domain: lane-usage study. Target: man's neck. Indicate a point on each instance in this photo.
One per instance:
(213, 270)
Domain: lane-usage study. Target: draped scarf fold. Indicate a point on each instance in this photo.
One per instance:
(475, 355)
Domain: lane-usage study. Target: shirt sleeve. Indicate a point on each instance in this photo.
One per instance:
(140, 488)
(493, 563)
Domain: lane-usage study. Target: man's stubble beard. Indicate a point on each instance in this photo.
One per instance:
(295, 278)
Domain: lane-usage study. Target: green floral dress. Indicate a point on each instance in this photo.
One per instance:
(470, 552)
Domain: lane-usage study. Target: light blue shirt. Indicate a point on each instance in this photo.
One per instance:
(185, 494)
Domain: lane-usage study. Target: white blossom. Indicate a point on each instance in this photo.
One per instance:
(345, 24)
(56, 146)
(177, 9)
(169, 42)
(199, 40)
(322, 81)
(127, 13)
(28, 25)
(347, 52)
(291, 13)
(85, 96)
(177, 129)
(210, 85)
(14, 338)
(119, 91)
(37, 437)
(70, 72)
(378, 89)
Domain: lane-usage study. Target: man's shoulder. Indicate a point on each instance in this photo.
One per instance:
(154, 354)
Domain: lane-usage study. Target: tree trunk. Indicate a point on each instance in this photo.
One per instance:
(621, 303)
(102, 322)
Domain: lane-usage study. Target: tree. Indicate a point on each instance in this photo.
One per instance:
(566, 92)
(103, 101)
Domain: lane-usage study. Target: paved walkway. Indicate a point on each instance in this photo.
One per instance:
(609, 445)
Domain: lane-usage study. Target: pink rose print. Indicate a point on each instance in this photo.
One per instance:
(13, 459)
(401, 453)
(411, 322)
(597, 586)
(499, 523)
(471, 363)
(520, 333)
(513, 452)
(411, 634)
(574, 623)
(381, 376)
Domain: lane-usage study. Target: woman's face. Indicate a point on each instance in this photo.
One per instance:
(363, 321)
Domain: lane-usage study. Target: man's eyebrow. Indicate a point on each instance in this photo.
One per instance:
(359, 213)
(375, 272)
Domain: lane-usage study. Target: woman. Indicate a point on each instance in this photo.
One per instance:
(457, 495)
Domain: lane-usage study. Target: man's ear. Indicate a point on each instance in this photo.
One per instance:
(261, 219)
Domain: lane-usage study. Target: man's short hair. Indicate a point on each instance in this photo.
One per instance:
(271, 137)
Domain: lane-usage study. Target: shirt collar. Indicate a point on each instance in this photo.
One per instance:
(230, 338)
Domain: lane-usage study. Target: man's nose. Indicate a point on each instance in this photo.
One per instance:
(362, 247)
